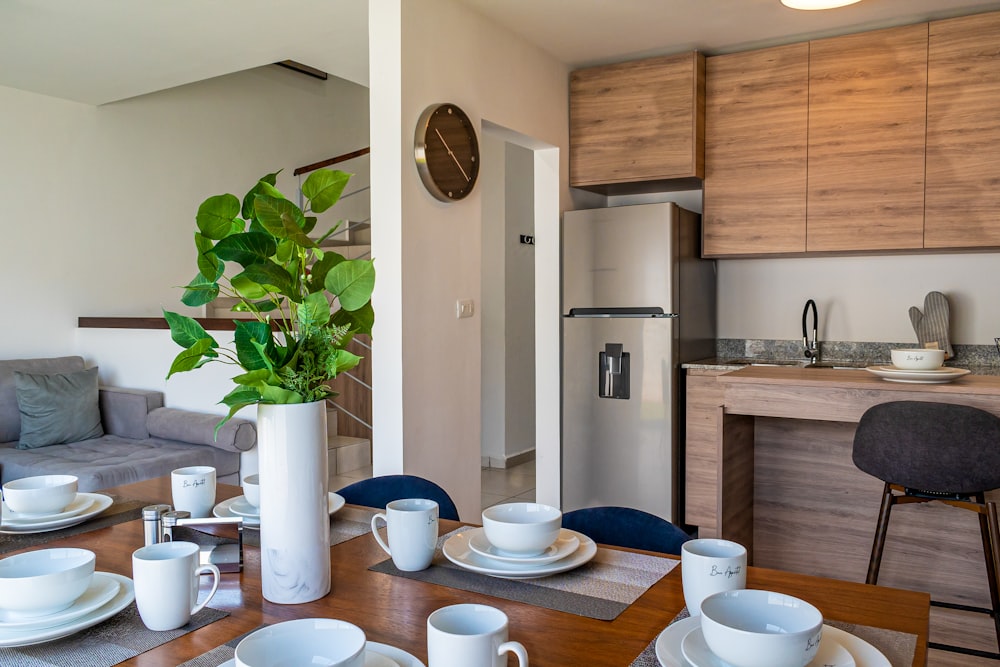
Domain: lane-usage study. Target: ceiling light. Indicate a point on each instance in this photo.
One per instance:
(817, 4)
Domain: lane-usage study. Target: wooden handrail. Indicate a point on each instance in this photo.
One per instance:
(334, 160)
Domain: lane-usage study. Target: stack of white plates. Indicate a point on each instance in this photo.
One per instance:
(471, 550)
(239, 506)
(683, 645)
(107, 595)
(930, 376)
(84, 506)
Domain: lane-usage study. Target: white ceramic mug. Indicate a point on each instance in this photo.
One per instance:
(166, 577)
(193, 490)
(711, 566)
(412, 529)
(470, 635)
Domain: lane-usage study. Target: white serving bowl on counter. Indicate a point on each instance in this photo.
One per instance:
(42, 582)
(917, 359)
(305, 641)
(755, 628)
(522, 529)
(43, 494)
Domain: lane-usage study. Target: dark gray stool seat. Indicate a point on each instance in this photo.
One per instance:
(926, 452)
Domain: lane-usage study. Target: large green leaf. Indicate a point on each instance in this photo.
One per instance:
(278, 216)
(264, 306)
(344, 361)
(259, 187)
(255, 378)
(216, 214)
(237, 399)
(254, 356)
(271, 276)
(208, 264)
(314, 311)
(360, 321)
(310, 224)
(324, 187)
(191, 358)
(352, 281)
(273, 394)
(246, 249)
(317, 275)
(185, 331)
(199, 291)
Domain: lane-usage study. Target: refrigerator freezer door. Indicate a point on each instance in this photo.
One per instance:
(619, 451)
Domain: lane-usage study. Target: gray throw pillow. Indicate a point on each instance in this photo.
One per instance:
(57, 408)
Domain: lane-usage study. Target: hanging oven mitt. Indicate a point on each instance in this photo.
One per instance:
(932, 324)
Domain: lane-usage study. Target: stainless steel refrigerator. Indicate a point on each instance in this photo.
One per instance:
(637, 301)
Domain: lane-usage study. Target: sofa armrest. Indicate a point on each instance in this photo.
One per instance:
(124, 411)
(237, 435)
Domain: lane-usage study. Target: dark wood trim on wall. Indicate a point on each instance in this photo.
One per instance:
(209, 323)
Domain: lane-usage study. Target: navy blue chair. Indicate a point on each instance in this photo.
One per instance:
(380, 491)
(626, 527)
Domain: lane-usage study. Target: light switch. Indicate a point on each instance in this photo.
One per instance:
(464, 308)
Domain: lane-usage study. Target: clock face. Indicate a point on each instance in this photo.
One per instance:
(447, 152)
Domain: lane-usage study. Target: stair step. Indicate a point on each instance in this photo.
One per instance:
(346, 453)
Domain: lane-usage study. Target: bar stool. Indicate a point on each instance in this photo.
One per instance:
(940, 452)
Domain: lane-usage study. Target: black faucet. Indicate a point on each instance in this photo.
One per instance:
(811, 346)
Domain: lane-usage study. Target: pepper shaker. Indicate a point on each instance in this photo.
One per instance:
(152, 523)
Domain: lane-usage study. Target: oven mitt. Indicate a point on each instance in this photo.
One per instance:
(932, 324)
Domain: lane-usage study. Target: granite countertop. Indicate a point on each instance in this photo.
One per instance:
(731, 364)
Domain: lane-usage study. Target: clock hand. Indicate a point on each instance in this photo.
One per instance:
(448, 148)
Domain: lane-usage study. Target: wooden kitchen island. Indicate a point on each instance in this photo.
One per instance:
(768, 464)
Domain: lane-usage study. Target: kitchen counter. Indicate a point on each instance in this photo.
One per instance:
(768, 464)
(728, 364)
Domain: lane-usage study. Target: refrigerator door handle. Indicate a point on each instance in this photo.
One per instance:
(619, 312)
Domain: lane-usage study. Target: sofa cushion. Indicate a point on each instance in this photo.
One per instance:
(57, 408)
(236, 435)
(10, 417)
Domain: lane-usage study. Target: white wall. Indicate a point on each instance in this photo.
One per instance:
(449, 53)
(100, 203)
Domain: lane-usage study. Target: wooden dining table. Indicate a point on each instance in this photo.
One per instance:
(393, 610)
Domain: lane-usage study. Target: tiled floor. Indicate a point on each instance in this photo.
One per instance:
(500, 485)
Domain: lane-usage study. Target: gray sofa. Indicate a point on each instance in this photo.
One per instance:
(142, 439)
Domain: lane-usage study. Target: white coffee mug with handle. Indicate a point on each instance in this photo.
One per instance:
(167, 576)
(193, 489)
(412, 529)
(711, 566)
(470, 635)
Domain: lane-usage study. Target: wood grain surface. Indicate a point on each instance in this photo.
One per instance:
(756, 132)
(963, 133)
(394, 610)
(867, 121)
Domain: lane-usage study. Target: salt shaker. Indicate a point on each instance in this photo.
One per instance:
(152, 523)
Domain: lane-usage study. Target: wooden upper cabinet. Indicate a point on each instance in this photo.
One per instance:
(637, 122)
(963, 133)
(867, 126)
(756, 116)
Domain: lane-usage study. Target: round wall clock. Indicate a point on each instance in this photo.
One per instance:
(447, 152)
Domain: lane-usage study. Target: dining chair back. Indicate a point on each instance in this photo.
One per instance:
(942, 452)
(626, 527)
(380, 491)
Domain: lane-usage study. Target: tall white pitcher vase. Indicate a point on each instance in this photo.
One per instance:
(294, 512)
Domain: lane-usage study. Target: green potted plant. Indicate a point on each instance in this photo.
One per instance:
(307, 304)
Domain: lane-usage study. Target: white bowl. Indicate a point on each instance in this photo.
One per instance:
(44, 494)
(754, 628)
(43, 582)
(251, 489)
(917, 359)
(522, 529)
(306, 641)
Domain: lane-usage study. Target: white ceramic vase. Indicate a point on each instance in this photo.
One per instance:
(294, 512)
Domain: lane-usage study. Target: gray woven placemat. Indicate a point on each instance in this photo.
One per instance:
(219, 654)
(898, 647)
(346, 524)
(601, 589)
(121, 510)
(119, 638)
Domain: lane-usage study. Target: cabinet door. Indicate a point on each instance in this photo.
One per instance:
(867, 125)
(963, 133)
(756, 114)
(637, 121)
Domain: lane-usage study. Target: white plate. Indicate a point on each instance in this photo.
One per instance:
(668, 643)
(456, 549)
(865, 655)
(79, 504)
(125, 596)
(101, 590)
(933, 376)
(565, 544)
(225, 509)
(375, 655)
(830, 653)
(101, 502)
(242, 507)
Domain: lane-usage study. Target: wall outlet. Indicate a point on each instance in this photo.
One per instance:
(464, 308)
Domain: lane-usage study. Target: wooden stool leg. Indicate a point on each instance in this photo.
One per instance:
(990, 530)
(881, 528)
